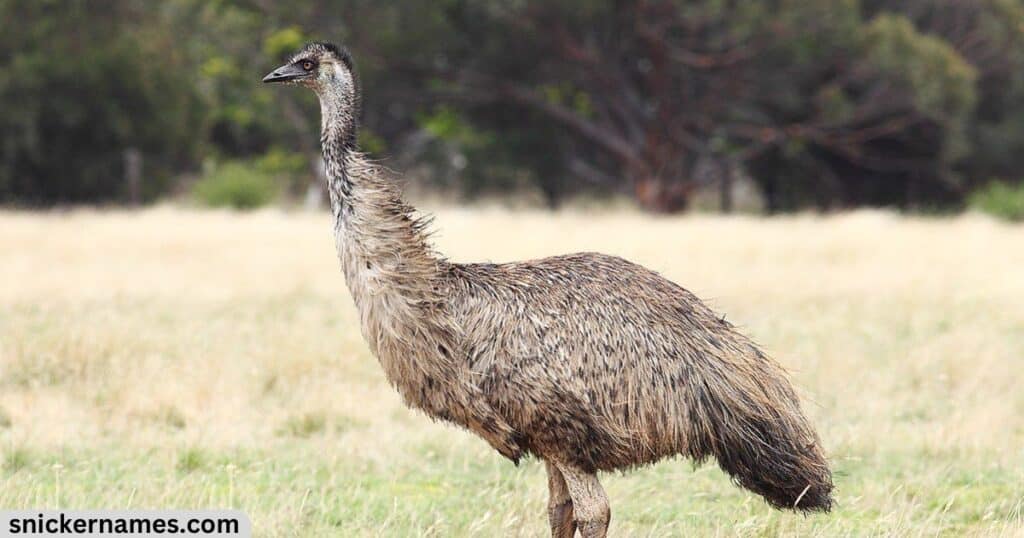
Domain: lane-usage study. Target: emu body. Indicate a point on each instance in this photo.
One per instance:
(587, 361)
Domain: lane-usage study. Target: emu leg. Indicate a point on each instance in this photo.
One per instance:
(559, 504)
(589, 502)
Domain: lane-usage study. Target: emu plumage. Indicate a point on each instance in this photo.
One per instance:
(587, 361)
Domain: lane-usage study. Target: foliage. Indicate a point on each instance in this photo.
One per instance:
(237, 185)
(832, 103)
(821, 103)
(938, 80)
(1000, 199)
(288, 169)
(79, 88)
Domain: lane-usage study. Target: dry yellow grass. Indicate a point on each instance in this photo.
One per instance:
(172, 358)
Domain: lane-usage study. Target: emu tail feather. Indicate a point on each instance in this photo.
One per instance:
(749, 419)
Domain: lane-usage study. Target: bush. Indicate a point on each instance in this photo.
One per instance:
(290, 170)
(236, 184)
(80, 87)
(1000, 199)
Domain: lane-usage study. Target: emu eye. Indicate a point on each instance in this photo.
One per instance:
(307, 65)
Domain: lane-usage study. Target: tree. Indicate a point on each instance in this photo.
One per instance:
(81, 87)
(827, 104)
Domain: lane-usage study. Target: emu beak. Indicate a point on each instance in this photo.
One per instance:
(285, 73)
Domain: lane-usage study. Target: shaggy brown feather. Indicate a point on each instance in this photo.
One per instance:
(585, 360)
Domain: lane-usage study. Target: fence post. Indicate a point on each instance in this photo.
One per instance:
(133, 175)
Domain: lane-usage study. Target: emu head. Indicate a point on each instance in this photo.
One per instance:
(318, 66)
(326, 69)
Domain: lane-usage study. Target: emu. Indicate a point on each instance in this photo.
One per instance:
(586, 361)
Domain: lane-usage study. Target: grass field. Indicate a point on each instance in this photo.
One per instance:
(171, 358)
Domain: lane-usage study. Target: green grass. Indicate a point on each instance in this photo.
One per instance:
(171, 359)
(304, 426)
(292, 489)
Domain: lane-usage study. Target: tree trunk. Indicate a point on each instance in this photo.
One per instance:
(133, 175)
(660, 195)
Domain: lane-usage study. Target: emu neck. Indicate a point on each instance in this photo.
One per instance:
(388, 264)
(337, 138)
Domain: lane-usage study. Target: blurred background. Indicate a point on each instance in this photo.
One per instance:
(755, 106)
(872, 152)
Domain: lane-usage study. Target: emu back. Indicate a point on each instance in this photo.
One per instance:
(611, 366)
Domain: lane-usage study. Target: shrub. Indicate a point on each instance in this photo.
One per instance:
(236, 184)
(80, 87)
(304, 426)
(290, 170)
(1000, 199)
(192, 459)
